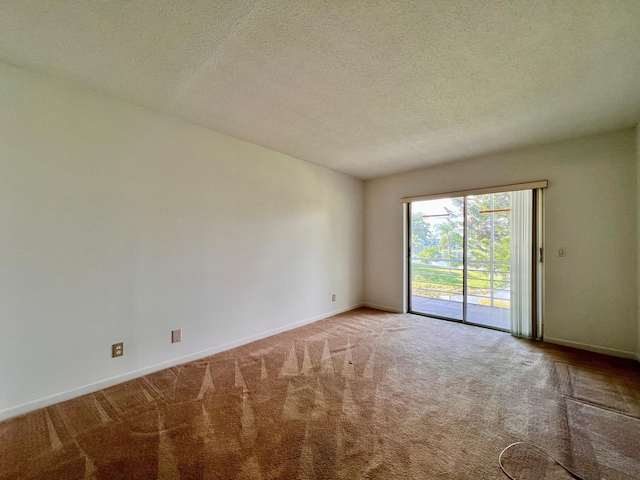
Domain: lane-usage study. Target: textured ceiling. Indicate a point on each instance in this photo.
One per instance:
(363, 87)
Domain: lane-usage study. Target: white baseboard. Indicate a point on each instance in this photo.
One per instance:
(593, 348)
(110, 382)
(384, 308)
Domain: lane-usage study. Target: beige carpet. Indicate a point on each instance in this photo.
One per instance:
(365, 394)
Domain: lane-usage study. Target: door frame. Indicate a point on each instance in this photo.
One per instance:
(537, 253)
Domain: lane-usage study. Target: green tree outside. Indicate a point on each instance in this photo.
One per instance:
(440, 244)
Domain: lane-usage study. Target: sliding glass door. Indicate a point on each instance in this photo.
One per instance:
(471, 259)
(488, 260)
(436, 266)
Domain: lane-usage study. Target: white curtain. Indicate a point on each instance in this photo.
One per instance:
(521, 262)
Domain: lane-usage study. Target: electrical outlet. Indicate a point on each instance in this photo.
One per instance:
(117, 349)
(176, 335)
(562, 252)
(333, 297)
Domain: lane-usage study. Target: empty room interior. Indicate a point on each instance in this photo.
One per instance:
(319, 240)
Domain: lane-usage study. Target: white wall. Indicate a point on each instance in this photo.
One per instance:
(638, 227)
(590, 210)
(121, 224)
